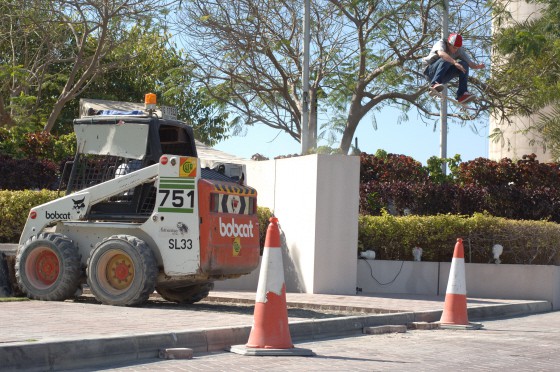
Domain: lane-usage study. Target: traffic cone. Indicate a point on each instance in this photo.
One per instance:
(270, 320)
(455, 306)
(270, 333)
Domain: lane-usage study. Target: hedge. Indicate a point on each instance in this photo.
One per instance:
(14, 208)
(391, 237)
(524, 242)
(24, 174)
(525, 189)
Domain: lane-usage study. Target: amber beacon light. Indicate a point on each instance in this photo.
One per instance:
(150, 101)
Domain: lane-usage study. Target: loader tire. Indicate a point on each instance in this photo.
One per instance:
(48, 267)
(186, 295)
(122, 271)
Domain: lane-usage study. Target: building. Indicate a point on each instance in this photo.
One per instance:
(514, 144)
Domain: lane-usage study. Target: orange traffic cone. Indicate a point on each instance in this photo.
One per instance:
(270, 333)
(455, 307)
(270, 320)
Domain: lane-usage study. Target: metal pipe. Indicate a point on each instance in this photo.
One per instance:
(443, 110)
(305, 145)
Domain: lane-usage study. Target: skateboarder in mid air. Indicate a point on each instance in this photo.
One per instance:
(447, 60)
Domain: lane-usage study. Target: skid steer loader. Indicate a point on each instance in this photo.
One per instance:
(139, 214)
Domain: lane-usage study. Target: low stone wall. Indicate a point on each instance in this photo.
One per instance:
(521, 282)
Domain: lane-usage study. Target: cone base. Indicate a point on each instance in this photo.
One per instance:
(455, 310)
(251, 351)
(470, 326)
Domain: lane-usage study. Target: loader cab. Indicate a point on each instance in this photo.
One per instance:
(115, 139)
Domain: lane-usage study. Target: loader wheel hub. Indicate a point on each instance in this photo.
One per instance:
(120, 271)
(47, 267)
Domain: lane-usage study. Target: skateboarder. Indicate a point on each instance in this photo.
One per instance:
(447, 60)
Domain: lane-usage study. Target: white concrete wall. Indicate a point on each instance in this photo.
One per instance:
(336, 236)
(527, 282)
(315, 198)
(523, 282)
(381, 276)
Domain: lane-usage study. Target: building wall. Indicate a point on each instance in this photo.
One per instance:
(515, 144)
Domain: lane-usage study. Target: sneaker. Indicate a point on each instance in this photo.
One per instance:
(466, 98)
(437, 87)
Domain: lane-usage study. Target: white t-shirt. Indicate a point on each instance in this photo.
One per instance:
(442, 46)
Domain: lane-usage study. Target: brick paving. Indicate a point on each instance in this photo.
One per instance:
(35, 330)
(530, 343)
(365, 303)
(32, 321)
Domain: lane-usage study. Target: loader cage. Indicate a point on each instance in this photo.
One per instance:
(113, 146)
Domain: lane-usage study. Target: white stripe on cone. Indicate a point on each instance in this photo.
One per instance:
(456, 283)
(271, 277)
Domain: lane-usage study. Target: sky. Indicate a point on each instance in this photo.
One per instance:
(413, 138)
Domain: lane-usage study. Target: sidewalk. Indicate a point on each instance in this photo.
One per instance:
(37, 335)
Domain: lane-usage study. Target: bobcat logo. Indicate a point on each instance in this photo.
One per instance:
(234, 204)
(183, 229)
(79, 204)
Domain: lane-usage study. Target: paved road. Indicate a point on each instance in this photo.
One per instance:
(530, 343)
(39, 335)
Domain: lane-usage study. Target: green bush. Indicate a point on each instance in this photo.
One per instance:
(391, 237)
(524, 242)
(264, 215)
(14, 209)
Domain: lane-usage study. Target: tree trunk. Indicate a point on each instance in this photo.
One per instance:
(313, 118)
(57, 109)
(348, 135)
(5, 117)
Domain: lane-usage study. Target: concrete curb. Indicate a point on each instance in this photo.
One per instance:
(91, 352)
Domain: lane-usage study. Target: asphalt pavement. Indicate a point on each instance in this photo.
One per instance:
(528, 343)
(81, 333)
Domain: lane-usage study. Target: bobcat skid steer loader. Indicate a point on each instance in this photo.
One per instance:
(139, 214)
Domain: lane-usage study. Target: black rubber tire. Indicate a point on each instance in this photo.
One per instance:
(128, 282)
(48, 267)
(186, 295)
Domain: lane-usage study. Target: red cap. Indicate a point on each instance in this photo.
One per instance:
(456, 40)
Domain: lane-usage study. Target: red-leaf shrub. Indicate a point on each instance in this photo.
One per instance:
(391, 168)
(22, 174)
(525, 189)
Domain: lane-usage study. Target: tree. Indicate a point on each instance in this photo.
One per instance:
(30, 49)
(365, 55)
(55, 52)
(158, 67)
(66, 43)
(529, 69)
